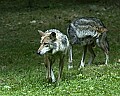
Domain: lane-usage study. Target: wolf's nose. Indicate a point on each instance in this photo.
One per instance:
(38, 52)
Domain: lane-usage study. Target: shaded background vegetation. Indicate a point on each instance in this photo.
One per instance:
(22, 4)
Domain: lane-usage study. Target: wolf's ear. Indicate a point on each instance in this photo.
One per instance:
(101, 30)
(53, 36)
(104, 29)
(41, 33)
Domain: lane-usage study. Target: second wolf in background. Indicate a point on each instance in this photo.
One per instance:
(88, 31)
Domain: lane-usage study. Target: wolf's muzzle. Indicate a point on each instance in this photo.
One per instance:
(38, 52)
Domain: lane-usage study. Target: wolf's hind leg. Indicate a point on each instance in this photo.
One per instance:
(92, 54)
(82, 64)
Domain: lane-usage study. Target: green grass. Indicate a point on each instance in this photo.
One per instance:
(22, 72)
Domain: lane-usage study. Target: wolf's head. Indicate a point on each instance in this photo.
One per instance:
(47, 42)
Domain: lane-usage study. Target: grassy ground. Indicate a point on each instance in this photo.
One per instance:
(22, 72)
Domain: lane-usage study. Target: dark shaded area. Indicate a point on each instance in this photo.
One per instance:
(17, 5)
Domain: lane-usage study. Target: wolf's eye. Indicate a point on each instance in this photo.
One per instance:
(46, 44)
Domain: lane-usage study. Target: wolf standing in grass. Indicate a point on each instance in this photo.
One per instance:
(54, 44)
(87, 31)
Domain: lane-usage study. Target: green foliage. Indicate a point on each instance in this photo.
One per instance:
(18, 5)
(22, 71)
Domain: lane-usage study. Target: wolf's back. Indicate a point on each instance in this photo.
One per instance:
(85, 27)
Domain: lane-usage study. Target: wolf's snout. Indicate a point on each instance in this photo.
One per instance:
(38, 52)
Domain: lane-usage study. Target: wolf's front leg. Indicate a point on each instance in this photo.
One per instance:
(50, 75)
(70, 65)
(48, 68)
(61, 64)
(53, 77)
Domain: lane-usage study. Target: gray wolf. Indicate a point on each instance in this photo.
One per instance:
(87, 32)
(53, 45)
